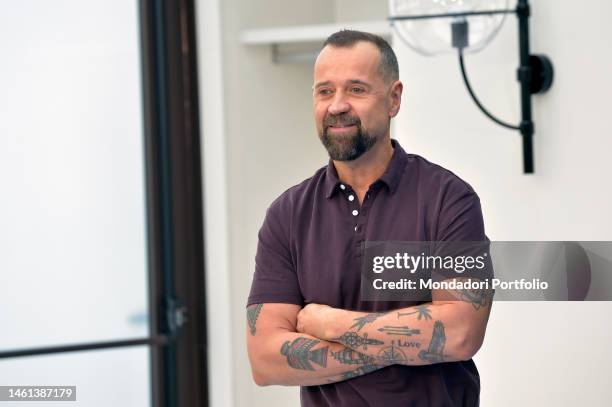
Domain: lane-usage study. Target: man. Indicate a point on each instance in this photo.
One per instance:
(307, 324)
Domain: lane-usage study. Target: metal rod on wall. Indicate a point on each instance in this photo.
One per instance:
(525, 76)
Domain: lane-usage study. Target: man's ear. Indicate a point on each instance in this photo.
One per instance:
(395, 94)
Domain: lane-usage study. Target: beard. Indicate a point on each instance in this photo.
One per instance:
(348, 146)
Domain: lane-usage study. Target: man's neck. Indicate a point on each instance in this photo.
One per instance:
(365, 170)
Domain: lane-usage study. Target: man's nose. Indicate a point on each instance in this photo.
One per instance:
(339, 104)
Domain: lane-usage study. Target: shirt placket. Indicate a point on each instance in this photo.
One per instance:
(358, 214)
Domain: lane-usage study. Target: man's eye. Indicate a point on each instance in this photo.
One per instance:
(357, 89)
(324, 92)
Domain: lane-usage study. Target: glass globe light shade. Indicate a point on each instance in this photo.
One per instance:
(432, 36)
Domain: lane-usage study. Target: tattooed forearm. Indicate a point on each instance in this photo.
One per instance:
(252, 315)
(299, 353)
(421, 311)
(435, 352)
(399, 330)
(354, 340)
(412, 336)
(361, 321)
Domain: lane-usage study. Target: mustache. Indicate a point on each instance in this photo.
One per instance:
(341, 120)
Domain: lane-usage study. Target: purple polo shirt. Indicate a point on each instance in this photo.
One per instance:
(309, 252)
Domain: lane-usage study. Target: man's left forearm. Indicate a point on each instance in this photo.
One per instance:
(420, 335)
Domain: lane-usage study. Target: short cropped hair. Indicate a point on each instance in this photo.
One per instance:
(389, 69)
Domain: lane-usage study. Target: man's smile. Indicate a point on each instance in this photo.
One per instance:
(341, 127)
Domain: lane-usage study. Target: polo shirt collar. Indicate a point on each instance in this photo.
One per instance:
(390, 178)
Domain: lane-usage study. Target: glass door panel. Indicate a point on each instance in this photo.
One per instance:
(73, 252)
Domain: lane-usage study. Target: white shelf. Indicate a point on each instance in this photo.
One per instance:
(310, 33)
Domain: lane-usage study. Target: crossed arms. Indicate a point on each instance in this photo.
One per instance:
(318, 344)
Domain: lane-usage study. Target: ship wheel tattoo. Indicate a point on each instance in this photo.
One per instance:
(392, 354)
(353, 340)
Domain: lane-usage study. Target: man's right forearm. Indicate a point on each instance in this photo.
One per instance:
(294, 359)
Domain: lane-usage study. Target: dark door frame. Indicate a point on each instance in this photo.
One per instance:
(175, 193)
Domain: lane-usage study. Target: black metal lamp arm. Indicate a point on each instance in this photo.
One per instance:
(535, 72)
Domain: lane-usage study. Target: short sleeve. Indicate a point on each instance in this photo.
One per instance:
(461, 220)
(460, 217)
(275, 279)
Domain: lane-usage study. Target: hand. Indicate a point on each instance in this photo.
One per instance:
(318, 320)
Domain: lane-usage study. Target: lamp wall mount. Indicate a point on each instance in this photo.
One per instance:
(535, 72)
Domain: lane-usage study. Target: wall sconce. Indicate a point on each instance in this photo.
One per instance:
(431, 27)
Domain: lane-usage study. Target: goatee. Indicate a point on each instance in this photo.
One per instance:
(346, 147)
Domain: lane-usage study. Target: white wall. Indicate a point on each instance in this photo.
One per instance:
(270, 145)
(535, 354)
(553, 354)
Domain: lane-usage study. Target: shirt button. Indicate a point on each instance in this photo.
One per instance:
(355, 212)
(342, 187)
(351, 198)
(356, 227)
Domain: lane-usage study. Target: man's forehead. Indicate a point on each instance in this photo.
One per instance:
(361, 57)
